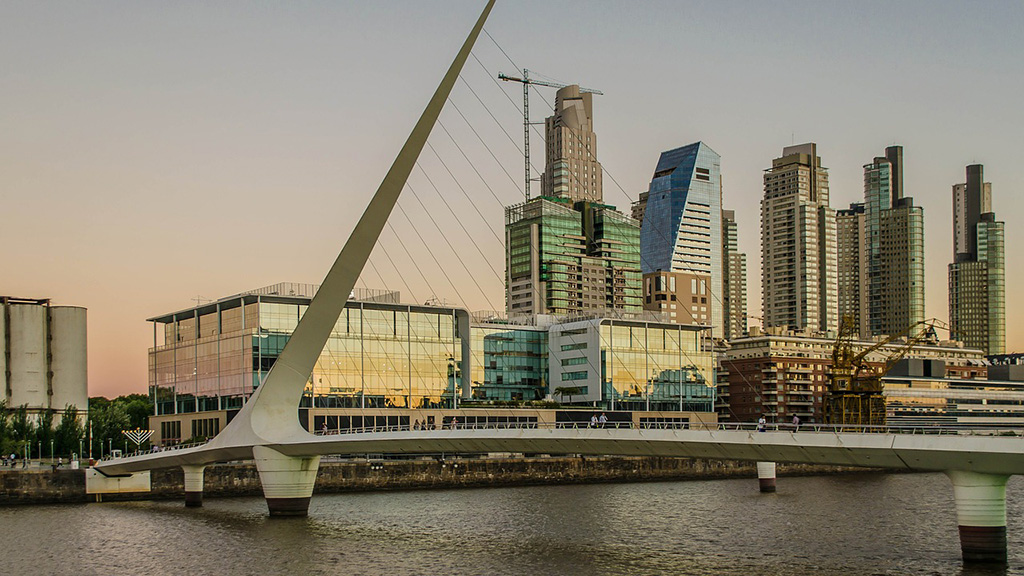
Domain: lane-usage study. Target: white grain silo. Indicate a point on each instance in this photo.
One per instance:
(28, 356)
(68, 359)
(43, 356)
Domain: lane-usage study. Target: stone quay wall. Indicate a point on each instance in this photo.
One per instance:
(68, 486)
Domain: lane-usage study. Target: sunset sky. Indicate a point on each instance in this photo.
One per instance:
(156, 153)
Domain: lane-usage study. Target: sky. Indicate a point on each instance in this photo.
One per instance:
(157, 154)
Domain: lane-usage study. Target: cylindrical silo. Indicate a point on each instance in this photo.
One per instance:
(68, 359)
(28, 356)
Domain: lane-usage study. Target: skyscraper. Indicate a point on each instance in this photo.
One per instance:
(566, 251)
(853, 289)
(977, 276)
(734, 281)
(564, 258)
(893, 239)
(798, 243)
(571, 169)
(681, 236)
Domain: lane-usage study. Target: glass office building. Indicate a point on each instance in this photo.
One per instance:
(381, 354)
(631, 365)
(681, 216)
(953, 402)
(509, 363)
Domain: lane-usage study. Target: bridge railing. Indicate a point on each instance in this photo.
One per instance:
(156, 449)
(730, 426)
(723, 426)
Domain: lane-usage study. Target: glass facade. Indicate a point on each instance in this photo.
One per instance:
(509, 363)
(630, 365)
(655, 367)
(977, 292)
(953, 402)
(893, 241)
(682, 219)
(379, 355)
(563, 258)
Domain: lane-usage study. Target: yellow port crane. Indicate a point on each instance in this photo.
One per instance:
(854, 394)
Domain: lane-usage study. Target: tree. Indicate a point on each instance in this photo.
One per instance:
(108, 419)
(6, 431)
(569, 391)
(21, 427)
(139, 408)
(69, 432)
(44, 431)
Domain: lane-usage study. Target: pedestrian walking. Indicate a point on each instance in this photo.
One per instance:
(593, 421)
(603, 420)
(796, 423)
(761, 423)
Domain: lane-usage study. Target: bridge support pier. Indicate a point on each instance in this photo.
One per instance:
(766, 476)
(287, 481)
(981, 515)
(193, 486)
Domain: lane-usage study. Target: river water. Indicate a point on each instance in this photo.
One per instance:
(864, 524)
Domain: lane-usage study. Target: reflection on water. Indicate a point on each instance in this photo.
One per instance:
(857, 525)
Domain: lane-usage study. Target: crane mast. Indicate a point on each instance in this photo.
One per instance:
(855, 386)
(526, 81)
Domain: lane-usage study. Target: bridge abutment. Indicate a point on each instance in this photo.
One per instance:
(766, 476)
(287, 481)
(193, 485)
(981, 515)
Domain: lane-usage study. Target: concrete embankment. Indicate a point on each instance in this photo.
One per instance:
(67, 486)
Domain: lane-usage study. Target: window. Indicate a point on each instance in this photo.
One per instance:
(569, 376)
(574, 361)
(577, 346)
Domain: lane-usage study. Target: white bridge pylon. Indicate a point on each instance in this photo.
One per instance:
(269, 419)
(267, 429)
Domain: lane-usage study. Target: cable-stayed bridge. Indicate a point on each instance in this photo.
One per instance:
(267, 430)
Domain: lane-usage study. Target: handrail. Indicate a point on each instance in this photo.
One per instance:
(724, 426)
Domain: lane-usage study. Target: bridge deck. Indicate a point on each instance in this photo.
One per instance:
(988, 451)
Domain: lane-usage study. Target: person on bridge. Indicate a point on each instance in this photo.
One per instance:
(603, 420)
(761, 423)
(796, 423)
(593, 421)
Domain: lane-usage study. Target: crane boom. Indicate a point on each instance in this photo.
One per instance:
(526, 81)
(855, 385)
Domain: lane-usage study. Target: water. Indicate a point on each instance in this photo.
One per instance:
(864, 524)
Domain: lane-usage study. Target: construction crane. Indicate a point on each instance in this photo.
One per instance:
(526, 81)
(854, 393)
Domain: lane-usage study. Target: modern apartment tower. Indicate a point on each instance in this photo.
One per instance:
(853, 289)
(564, 258)
(977, 276)
(571, 169)
(681, 237)
(734, 281)
(894, 242)
(798, 244)
(566, 251)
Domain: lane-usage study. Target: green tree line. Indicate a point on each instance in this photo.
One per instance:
(23, 434)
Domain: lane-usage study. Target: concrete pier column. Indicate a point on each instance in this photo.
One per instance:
(766, 476)
(981, 515)
(287, 481)
(193, 485)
